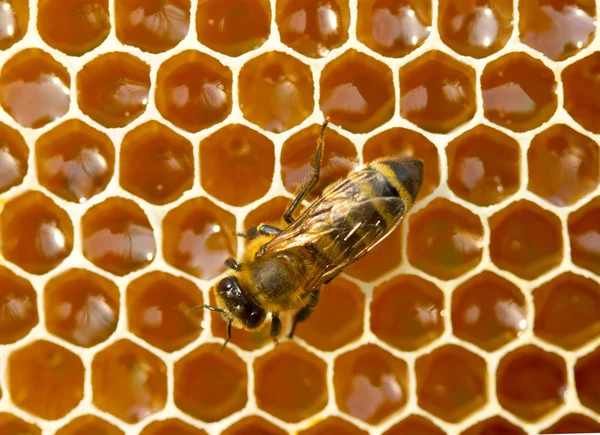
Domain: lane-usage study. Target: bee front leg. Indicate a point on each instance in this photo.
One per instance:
(305, 312)
(275, 328)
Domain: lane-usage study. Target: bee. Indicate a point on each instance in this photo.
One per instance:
(286, 263)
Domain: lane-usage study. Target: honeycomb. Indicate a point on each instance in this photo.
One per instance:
(136, 136)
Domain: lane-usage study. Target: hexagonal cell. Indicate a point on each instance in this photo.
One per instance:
(253, 425)
(209, 385)
(171, 426)
(45, 379)
(407, 312)
(14, 153)
(494, 425)
(445, 239)
(414, 424)
(153, 26)
(484, 166)
(113, 89)
(573, 423)
(117, 236)
(564, 165)
(525, 239)
(557, 29)
(74, 161)
(488, 311)
(584, 233)
(476, 29)
(357, 92)
(437, 92)
(313, 28)
(393, 28)
(270, 211)
(15, 18)
(233, 27)
(451, 382)
(297, 159)
(158, 310)
(408, 143)
(34, 88)
(193, 90)
(567, 310)
(35, 233)
(531, 382)
(304, 376)
(128, 381)
(276, 91)
(157, 164)
(18, 307)
(581, 88)
(386, 257)
(89, 424)
(587, 381)
(338, 319)
(333, 425)
(73, 26)
(198, 238)
(81, 307)
(519, 92)
(10, 424)
(370, 383)
(246, 158)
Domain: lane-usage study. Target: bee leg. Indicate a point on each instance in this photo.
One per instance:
(310, 182)
(228, 339)
(262, 229)
(305, 312)
(275, 328)
(232, 264)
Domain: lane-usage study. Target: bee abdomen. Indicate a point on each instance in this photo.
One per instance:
(403, 174)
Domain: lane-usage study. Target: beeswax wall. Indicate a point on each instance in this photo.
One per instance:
(137, 135)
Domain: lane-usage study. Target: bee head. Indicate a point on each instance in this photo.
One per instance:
(231, 296)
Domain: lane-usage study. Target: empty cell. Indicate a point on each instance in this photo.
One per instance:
(171, 426)
(414, 424)
(332, 425)
(437, 92)
(193, 90)
(357, 92)
(35, 233)
(74, 161)
(90, 425)
(494, 425)
(81, 307)
(156, 164)
(573, 423)
(210, 385)
(14, 18)
(587, 381)
(253, 425)
(18, 307)
(581, 88)
(128, 381)
(14, 153)
(34, 88)
(584, 234)
(117, 236)
(113, 89)
(313, 28)
(10, 424)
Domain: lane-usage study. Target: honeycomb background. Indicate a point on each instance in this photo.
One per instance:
(136, 135)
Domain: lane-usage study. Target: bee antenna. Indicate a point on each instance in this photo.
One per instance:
(218, 310)
(207, 307)
(224, 345)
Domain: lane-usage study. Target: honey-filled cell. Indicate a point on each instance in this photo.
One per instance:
(393, 28)
(581, 87)
(34, 88)
(18, 307)
(89, 425)
(253, 425)
(158, 310)
(35, 233)
(117, 236)
(357, 92)
(14, 18)
(484, 166)
(519, 92)
(587, 381)
(14, 153)
(73, 26)
(574, 423)
(475, 28)
(333, 425)
(198, 238)
(152, 25)
(493, 426)
(193, 90)
(276, 91)
(313, 28)
(233, 27)
(81, 307)
(270, 211)
(74, 161)
(237, 164)
(414, 424)
(10, 424)
(171, 426)
(557, 28)
(383, 259)
(156, 163)
(128, 381)
(45, 379)
(370, 383)
(209, 385)
(113, 89)
(584, 231)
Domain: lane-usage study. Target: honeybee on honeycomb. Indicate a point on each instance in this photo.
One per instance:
(286, 263)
